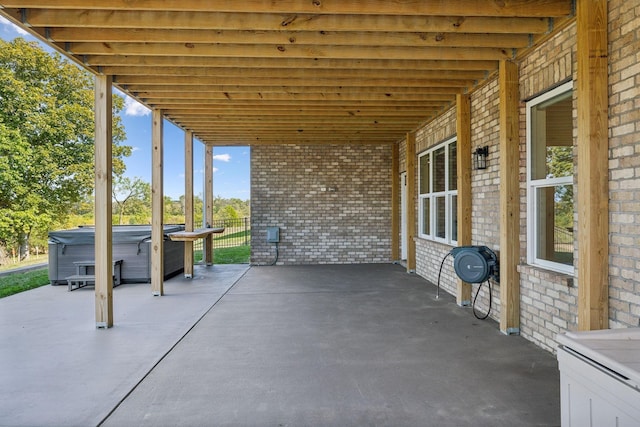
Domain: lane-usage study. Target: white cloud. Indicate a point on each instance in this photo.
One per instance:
(222, 157)
(11, 27)
(215, 170)
(134, 108)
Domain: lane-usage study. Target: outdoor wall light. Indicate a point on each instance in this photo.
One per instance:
(480, 157)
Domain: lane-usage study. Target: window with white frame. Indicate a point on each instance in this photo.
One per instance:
(550, 169)
(438, 193)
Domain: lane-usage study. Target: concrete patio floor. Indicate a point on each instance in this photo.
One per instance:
(328, 345)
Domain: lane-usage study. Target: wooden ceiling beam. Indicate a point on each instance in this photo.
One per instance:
(280, 38)
(283, 63)
(175, 20)
(287, 101)
(540, 8)
(294, 73)
(295, 121)
(391, 122)
(278, 51)
(253, 141)
(180, 111)
(335, 134)
(307, 130)
(196, 95)
(200, 82)
(277, 110)
(212, 137)
(313, 71)
(308, 104)
(304, 139)
(232, 90)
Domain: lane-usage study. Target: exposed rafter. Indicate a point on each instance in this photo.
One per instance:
(265, 72)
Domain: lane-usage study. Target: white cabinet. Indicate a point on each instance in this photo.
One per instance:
(600, 378)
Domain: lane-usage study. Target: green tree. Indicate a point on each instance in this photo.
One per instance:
(560, 163)
(173, 211)
(221, 210)
(19, 200)
(47, 133)
(228, 212)
(130, 196)
(198, 211)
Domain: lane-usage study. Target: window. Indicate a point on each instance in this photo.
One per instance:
(550, 180)
(438, 195)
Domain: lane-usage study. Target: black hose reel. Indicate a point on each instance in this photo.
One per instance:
(474, 264)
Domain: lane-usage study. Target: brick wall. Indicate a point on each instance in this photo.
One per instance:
(548, 300)
(319, 227)
(485, 193)
(429, 254)
(485, 184)
(347, 222)
(624, 163)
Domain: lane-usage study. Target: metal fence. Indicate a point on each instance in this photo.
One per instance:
(237, 232)
(563, 239)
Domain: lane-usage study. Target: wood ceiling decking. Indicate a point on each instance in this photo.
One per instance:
(287, 71)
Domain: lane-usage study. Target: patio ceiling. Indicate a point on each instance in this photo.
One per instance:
(288, 71)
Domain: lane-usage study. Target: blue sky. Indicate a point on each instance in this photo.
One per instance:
(231, 164)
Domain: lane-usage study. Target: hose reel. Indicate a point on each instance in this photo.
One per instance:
(473, 264)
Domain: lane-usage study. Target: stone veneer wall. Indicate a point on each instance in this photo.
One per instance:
(331, 202)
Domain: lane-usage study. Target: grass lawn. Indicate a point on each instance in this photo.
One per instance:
(234, 255)
(18, 282)
(238, 235)
(33, 259)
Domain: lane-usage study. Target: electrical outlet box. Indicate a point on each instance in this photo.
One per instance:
(273, 234)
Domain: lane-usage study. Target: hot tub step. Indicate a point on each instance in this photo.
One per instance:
(79, 280)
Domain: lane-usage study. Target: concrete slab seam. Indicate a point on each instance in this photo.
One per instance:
(170, 350)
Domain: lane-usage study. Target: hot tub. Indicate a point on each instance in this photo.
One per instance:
(131, 244)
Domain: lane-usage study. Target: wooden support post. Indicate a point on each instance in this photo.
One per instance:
(188, 201)
(463, 131)
(157, 206)
(411, 202)
(208, 202)
(395, 202)
(509, 198)
(103, 192)
(593, 174)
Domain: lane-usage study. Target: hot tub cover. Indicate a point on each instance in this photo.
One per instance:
(121, 234)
